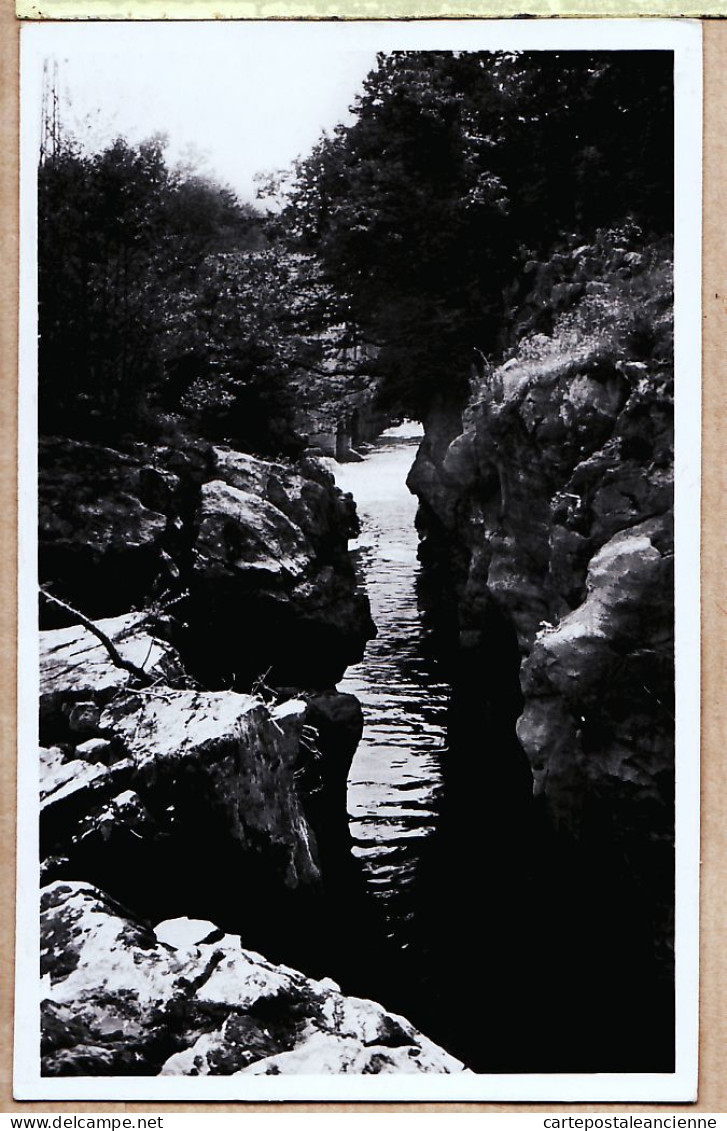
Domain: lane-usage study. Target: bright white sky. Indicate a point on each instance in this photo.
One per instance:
(245, 97)
(251, 96)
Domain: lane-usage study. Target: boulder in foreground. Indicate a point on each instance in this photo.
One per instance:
(122, 1001)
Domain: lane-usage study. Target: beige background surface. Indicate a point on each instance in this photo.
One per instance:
(358, 9)
(713, 950)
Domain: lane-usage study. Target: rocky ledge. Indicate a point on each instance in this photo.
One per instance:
(186, 999)
(198, 606)
(245, 561)
(180, 800)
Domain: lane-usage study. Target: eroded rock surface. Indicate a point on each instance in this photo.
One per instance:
(188, 999)
(243, 561)
(78, 674)
(546, 517)
(271, 566)
(106, 524)
(184, 800)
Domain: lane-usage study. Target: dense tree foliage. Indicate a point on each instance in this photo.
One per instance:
(252, 323)
(413, 230)
(458, 170)
(151, 282)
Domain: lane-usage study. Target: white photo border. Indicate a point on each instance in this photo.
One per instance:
(684, 38)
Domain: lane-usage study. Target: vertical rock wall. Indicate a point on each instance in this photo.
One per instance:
(549, 516)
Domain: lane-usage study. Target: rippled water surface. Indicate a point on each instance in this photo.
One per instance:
(395, 779)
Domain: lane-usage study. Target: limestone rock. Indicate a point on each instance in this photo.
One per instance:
(120, 1001)
(202, 788)
(179, 801)
(240, 533)
(271, 564)
(330, 1054)
(76, 668)
(241, 758)
(222, 544)
(61, 779)
(306, 494)
(104, 537)
(545, 520)
(595, 673)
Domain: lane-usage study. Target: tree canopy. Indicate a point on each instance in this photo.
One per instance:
(412, 232)
(124, 250)
(458, 169)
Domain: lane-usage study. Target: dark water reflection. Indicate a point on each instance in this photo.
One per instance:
(516, 948)
(396, 778)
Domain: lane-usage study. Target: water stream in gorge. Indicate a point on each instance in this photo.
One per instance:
(471, 882)
(423, 842)
(475, 888)
(395, 780)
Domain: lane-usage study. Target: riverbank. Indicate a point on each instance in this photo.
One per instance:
(184, 779)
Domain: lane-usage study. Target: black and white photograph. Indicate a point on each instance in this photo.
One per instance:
(359, 487)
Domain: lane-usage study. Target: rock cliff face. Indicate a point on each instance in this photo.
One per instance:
(547, 536)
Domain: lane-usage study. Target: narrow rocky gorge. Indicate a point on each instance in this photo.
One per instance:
(168, 793)
(419, 372)
(200, 606)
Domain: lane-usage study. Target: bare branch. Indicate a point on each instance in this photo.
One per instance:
(116, 658)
